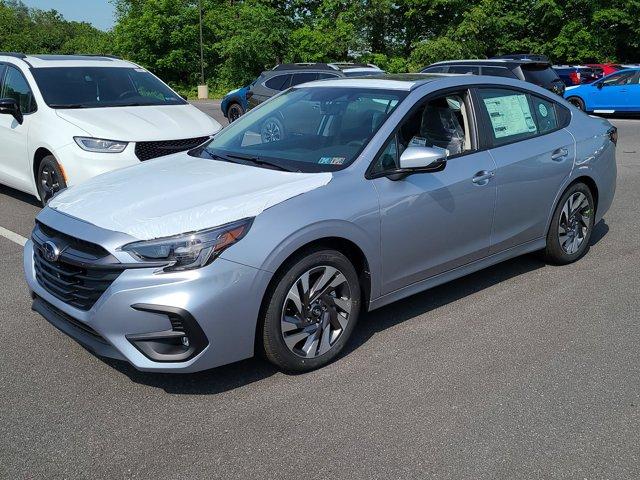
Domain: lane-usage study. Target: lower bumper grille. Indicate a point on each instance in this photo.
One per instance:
(72, 321)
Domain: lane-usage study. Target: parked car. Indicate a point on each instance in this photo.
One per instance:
(281, 77)
(535, 70)
(64, 119)
(358, 69)
(234, 104)
(615, 93)
(372, 190)
(577, 74)
(607, 68)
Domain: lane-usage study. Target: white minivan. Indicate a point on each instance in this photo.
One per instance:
(67, 118)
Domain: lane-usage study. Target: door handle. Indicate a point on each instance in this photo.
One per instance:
(483, 177)
(559, 154)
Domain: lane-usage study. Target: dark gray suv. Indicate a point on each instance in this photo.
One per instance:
(281, 77)
(534, 69)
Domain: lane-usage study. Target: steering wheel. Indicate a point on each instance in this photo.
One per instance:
(127, 94)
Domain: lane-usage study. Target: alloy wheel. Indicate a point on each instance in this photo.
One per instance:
(316, 311)
(234, 113)
(575, 221)
(49, 183)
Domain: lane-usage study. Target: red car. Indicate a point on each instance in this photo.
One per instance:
(606, 68)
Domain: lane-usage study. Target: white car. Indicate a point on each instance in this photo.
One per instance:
(65, 119)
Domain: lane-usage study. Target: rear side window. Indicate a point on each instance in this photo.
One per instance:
(322, 76)
(279, 82)
(510, 115)
(464, 69)
(539, 74)
(300, 78)
(546, 114)
(498, 72)
(15, 86)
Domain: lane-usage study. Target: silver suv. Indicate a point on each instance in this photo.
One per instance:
(327, 201)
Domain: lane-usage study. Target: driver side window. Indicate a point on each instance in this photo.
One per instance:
(441, 122)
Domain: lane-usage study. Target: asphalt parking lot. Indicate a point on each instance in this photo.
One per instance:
(523, 370)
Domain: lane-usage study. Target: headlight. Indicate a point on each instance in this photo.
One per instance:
(190, 250)
(100, 145)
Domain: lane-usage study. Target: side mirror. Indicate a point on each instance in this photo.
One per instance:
(599, 85)
(8, 106)
(420, 159)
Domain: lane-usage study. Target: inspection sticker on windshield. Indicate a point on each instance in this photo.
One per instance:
(331, 160)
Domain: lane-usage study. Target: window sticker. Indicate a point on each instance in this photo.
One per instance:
(331, 160)
(510, 115)
(418, 142)
(543, 110)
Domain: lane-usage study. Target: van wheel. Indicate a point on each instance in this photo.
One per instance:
(50, 179)
(312, 311)
(576, 102)
(571, 226)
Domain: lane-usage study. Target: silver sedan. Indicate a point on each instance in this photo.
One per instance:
(331, 199)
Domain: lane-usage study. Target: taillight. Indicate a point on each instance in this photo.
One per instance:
(574, 77)
(613, 135)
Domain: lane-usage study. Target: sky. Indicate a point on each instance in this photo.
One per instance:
(97, 12)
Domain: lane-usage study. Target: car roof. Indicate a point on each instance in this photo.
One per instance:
(505, 62)
(47, 61)
(397, 81)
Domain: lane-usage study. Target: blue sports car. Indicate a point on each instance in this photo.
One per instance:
(618, 92)
(234, 103)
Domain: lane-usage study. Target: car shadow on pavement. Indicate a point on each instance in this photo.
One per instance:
(18, 195)
(229, 377)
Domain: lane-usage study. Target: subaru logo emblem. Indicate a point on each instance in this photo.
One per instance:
(50, 251)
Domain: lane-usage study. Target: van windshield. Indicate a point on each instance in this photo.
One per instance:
(312, 129)
(96, 87)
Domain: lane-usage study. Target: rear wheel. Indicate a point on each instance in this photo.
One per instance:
(50, 179)
(312, 311)
(234, 112)
(577, 102)
(571, 226)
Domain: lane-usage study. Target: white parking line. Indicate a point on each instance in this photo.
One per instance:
(14, 237)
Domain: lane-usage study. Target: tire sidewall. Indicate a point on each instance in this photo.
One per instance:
(49, 160)
(275, 348)
(237, 107)
(555, 251)
(577, 102)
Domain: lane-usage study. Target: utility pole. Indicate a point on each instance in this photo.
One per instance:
(203, 89)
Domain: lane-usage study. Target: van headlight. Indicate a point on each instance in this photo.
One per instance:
(100, 145)
(190, 250)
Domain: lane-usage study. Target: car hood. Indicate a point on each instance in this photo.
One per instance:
(136, 124)
(180, 193)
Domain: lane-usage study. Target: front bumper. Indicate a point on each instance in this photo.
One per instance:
(223, 298)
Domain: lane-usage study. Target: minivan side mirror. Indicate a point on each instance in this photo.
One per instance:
(8, 106)
(416, 159)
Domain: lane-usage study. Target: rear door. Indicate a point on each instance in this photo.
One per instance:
(266, 89)
(15, 168)
(533, 155)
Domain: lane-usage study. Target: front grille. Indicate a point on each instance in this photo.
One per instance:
(149, 150)
(80, 275)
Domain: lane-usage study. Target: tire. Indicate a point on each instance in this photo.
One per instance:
(305, 334)
(272, 130)
(571, 226)
(234, 112)
(49, 179)
(576, 102)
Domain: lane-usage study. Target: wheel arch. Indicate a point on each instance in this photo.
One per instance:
(343, 245)
(38, 156)
(589, 182)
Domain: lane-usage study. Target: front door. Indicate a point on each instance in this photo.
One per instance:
(434, 222)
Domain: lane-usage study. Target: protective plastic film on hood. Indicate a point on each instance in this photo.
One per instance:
(179, 194)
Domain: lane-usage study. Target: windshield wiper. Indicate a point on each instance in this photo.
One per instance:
(259, 161)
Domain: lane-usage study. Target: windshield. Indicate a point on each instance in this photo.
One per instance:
(95, 87)
(314, 129)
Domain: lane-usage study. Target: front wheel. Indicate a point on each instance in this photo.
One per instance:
(312, 311)
(571, 226)
(234, 112)
(50, 179)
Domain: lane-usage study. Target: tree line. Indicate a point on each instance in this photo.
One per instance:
(243, 37)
